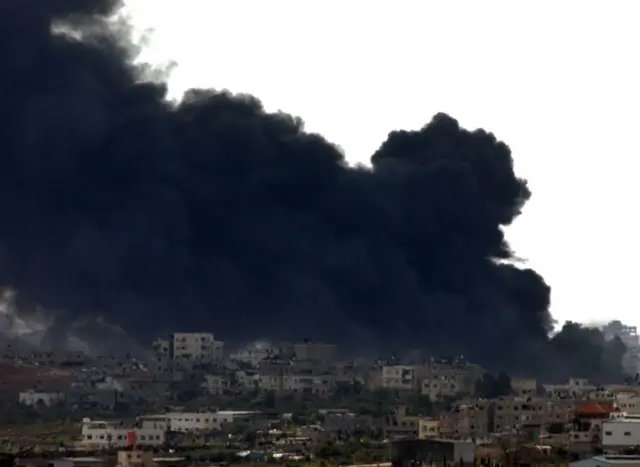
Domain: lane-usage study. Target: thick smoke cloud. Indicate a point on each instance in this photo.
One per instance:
(211, 213)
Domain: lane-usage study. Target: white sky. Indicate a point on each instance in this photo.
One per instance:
(558, 81)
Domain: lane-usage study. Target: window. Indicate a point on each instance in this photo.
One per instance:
(607, 433)
(627, 433)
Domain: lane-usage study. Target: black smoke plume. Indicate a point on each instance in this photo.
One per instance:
(212, 214)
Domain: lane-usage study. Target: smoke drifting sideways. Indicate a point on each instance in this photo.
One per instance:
(210, 213)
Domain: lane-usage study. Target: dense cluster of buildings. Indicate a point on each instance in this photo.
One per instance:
(578, 412)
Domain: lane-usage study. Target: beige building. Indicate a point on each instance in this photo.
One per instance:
(318, 385)
(195, 346)
(440, 386)
(428, 428)
(469, 419)
(295, 378)
(182, 350)
(401, 377)
(516, 414)
(628, 401)
(399, 425)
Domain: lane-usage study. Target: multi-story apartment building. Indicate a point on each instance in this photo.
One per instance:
(195, 346)
(111, 434)
(467, 419)
(629, 337)
(575, 388)
(191, 422)
(517, 414)
(296, 377)
(628, 400)
(477, 418)
(524, 386)
(399, 425)
(181, 351)
(401, 377)
(448, 377)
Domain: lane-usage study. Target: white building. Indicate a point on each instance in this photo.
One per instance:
(33, 398)
(621, 432)
(575, 387)
(107, 434)
(189, 422)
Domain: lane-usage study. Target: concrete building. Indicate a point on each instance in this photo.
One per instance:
(588, 421)
(518, 414)
(191, 422)
(441, 386)
(628, 401)
(447, 378)
(575, 388)
(183, 350)
(400, 377)
(466, 420)
(526, 387)
(399, 425)
(621, 433)
(195, 346)
(110, 434)
(428, 428)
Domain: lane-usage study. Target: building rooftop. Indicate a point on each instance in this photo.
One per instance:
(594, 408)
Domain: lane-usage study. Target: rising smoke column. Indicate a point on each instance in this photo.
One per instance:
(211, 213)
